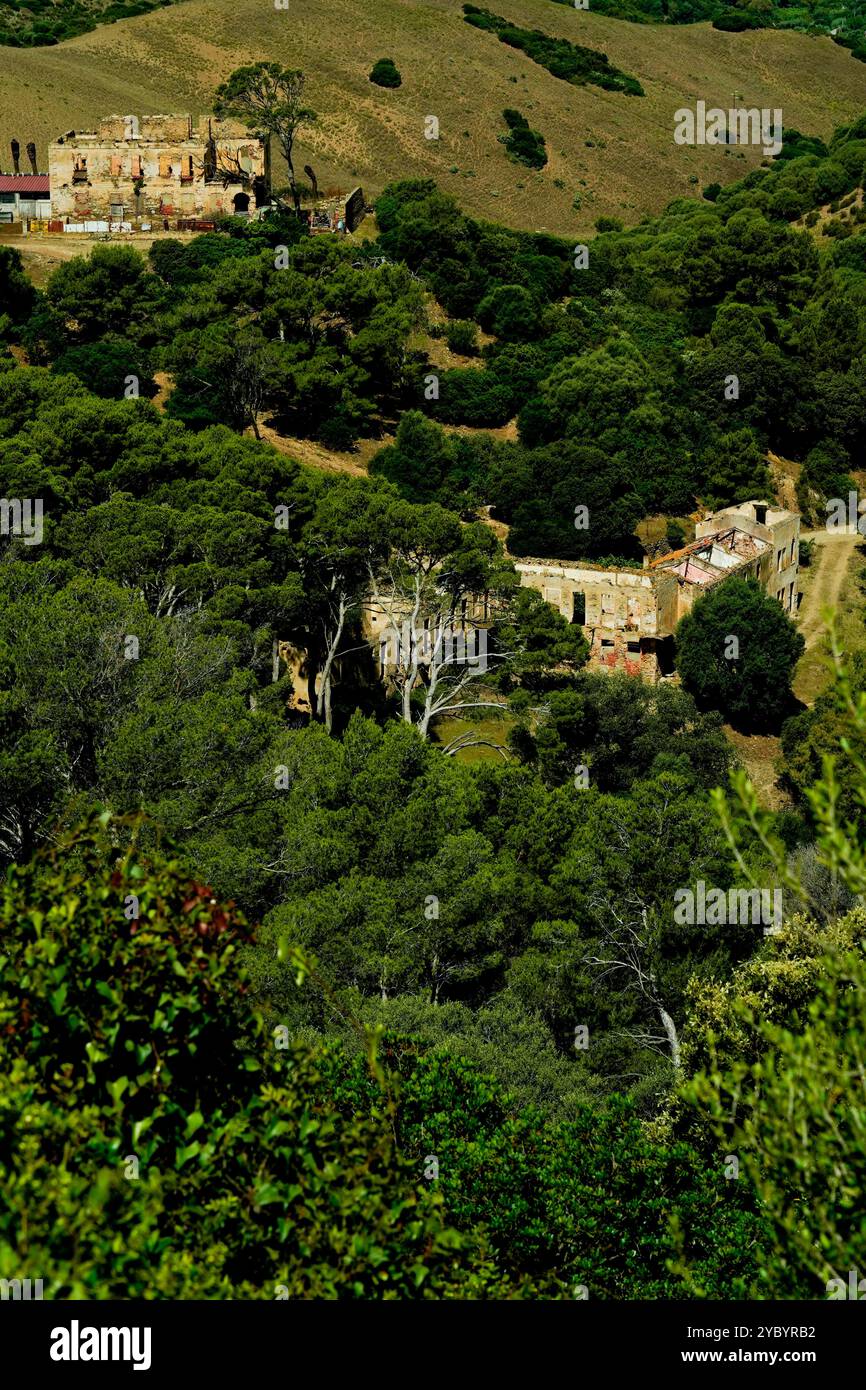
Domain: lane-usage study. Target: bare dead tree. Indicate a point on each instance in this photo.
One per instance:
(627, 951)
(222, 164)
(431, 654)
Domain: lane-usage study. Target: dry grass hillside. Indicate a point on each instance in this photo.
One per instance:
(616, 150)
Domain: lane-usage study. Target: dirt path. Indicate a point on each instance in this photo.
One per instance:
(315, 455)
(760, 754)
(43, 252)
(831, 581)
(831, 557)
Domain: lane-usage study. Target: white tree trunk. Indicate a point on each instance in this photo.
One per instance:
(323, 703)
(671, 1033)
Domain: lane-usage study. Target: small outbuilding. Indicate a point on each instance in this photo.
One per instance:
(24, 197)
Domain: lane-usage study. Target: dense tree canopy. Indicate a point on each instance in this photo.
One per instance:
(736, 652)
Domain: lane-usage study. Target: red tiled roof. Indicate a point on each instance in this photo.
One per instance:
(23, 183)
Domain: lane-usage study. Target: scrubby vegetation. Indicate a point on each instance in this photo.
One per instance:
(37, 23)
(843, 21)
(656, 369)
(525, 145)
(385, 73)
(571, 62)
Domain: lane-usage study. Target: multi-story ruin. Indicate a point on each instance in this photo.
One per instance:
(155, 168)
(629, 614)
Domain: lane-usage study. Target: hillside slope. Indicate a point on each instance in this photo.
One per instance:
(616, 151)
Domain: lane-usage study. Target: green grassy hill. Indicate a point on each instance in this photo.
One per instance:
(610, 152)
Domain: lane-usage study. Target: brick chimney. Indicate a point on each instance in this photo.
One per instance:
(16, 150)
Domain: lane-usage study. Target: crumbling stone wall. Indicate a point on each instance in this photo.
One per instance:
(157, 167)
(618, 610)
(778, 568)
(629, 615)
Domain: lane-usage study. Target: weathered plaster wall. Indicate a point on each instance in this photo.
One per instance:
(159, 173)
(620, 616)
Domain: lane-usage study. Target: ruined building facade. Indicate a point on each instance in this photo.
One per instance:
(629, 615)
(153, 168)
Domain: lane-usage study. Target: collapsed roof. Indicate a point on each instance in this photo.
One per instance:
(712, 557)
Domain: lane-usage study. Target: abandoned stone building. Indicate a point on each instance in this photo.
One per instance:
(629, 614)
(456, 634)
(154, 168)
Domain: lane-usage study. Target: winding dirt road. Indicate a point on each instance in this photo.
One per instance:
(831, 557)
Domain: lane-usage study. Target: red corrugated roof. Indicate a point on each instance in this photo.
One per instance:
(23, 183)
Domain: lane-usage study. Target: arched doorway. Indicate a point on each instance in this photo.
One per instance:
(241, 204)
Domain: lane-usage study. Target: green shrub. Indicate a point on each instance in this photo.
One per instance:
(385, 73)
(570, 62)
(105, 367)
(461, 336)
(736, 21)
(523, 145)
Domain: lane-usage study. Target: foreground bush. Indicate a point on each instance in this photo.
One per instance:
(156, 1141)
(151, 1145)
